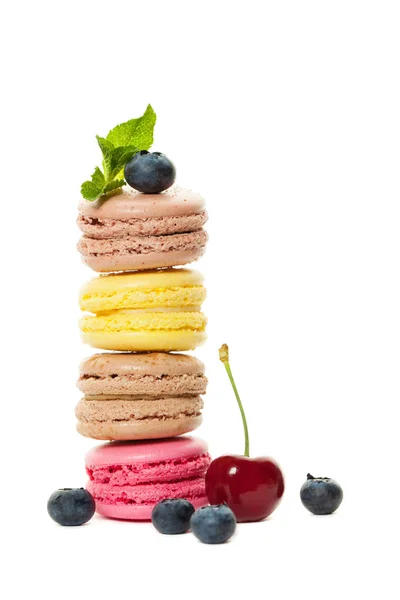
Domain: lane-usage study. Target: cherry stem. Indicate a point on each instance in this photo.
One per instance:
(224, 358)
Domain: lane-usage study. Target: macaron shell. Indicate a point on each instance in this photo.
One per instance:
(147, 493)
(144, 320)
(121, 261)
(141, 429)
(148, 280)
(146, 289)
(111, 228)
(140, 246)
(131, 204)
(136, 453)
(145, 341)
(136, 417)
(142, 374)
(145, 386)
(132, 408)
(157, 364)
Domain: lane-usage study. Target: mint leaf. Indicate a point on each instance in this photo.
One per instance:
(106, 147)
(91, 190)
(114, 159)
(136, 132)
(97, 187)
(113, 185)
(107, 150)
(119, 158)
(98, 177)
(117, 149)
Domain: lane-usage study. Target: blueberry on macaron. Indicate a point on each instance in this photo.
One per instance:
(321, 495)
(71, 506)
(150, 172)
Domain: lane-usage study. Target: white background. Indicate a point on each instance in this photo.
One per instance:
(286, 116)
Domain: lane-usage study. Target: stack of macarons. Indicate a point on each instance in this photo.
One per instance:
(143, 310)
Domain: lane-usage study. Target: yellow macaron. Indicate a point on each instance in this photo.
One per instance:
(144, 311)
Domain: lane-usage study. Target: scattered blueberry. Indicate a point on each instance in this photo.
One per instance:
(150, 172)
(172, 516)
(213, 524)
(71, 506)
(321, 495)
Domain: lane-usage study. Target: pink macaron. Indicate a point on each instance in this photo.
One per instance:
(128, 479)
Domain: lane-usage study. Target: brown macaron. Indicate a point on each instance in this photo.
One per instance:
(132, 231)
(140, 396)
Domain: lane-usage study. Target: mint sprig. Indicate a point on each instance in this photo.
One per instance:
(136, 132)
(117, 149)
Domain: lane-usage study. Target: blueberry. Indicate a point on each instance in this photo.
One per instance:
(172, 516)
(150, 173)
(71, 506)
(213, 524)
(321, 495)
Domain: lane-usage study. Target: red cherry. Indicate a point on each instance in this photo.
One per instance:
(251, 487)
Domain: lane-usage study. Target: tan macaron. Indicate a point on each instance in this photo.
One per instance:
(132, 231)
(140, 396)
